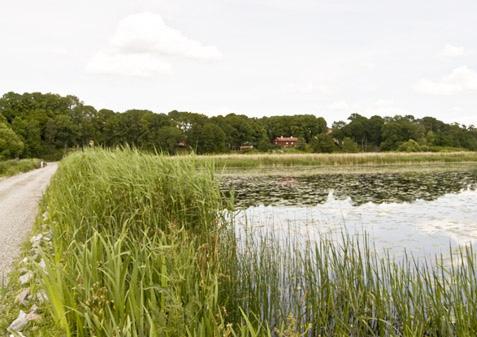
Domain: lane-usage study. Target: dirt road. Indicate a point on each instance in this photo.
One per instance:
(19, 197)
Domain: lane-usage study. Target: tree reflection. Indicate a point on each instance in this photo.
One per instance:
(361, 188)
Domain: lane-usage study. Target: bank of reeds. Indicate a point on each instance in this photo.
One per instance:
(344, 288)
(337, 159)
(12, 167)
(140, 247)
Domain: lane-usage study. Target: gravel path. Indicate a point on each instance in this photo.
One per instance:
(19, 196)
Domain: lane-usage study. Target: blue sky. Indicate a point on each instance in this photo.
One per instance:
(261, 57)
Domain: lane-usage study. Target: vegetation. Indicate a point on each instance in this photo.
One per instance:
(263, 160)
(47, 125)
(10, 144)
(12, 167)
(141, 246)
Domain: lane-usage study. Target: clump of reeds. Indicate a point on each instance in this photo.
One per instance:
(345, 288)
(135, 246)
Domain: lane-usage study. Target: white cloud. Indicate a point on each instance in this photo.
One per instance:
(138, 65)
(460, 80)
(142, 43)
(452, 51)
(148, 33)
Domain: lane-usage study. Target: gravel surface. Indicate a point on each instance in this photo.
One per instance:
(19, 197)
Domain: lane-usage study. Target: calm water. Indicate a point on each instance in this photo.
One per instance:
(423, 213)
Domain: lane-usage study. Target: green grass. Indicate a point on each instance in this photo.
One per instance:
(336, 159)
(346, 289)
(12, 167)
(141, 247)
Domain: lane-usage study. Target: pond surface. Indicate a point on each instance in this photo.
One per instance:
(423, 213)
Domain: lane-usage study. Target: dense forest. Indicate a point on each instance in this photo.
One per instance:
(49, 125)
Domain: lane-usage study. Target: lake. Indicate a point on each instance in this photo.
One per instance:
(423, 213)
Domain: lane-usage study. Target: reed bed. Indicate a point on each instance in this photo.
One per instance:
(142, 246)
(344, 288)
(12, 167)
(336, 159)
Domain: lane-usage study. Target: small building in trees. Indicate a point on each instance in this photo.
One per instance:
(285, 142)
(246, 147)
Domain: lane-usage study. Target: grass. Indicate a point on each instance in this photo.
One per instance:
(13, 167)
(346, 289)
(141, 246)
(337, 159)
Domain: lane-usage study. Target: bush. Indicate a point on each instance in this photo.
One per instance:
(349, 145)
(410, 146)
(12, 167)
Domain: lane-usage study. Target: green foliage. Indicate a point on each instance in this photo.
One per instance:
(410, 146)
(400, 129)
(50, 125)
(11, 145)
(323, 143)
(306, 127)
(348, 145)
(168, 138)
(207, 138)
(12, 167)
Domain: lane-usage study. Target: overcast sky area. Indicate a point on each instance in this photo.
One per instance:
(256, 57)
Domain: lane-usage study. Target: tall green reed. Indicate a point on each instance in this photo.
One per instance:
(345, 288)
(134, 246)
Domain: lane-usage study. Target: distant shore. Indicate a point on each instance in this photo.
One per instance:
(264, 160)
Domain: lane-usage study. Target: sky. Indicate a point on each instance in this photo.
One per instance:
(330, 58)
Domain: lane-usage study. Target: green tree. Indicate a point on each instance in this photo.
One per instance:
(168, 137)
(207, 138)
(348, 145)
(11, 145)
(400, 129)
(323, 143)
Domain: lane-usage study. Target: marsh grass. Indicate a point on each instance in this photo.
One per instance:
(335, 159)
(141, 247)
(135, 246)
(12, 167)
(343, 288)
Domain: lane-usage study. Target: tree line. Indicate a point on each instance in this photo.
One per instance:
(48, 125)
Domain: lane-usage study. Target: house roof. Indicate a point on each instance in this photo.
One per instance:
(286, 139)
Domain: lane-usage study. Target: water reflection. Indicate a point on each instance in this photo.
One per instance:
(422, 213)
(360, 188)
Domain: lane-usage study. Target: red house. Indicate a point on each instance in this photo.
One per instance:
(286, 141)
